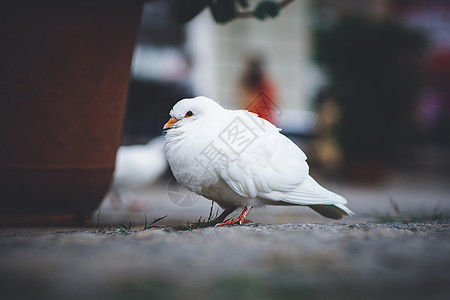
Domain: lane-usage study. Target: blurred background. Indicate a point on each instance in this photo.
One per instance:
(363, 87)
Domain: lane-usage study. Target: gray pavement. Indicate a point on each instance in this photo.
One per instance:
(290, 261)
(289, 253)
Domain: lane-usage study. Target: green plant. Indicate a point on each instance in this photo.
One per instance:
(124, 229)
(401, 216)
(211, 221)
(149, 226)
(99, 226)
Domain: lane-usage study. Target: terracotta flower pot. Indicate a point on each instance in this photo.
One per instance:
(65, 68)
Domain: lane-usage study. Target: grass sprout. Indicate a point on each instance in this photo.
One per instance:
(149, 226)
(124, 229)
(99, 226)
(211, 221)
(398, 215)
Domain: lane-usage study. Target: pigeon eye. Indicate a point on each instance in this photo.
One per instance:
(188, 114)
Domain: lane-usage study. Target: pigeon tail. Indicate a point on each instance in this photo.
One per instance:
(321, 200)
(335, 211)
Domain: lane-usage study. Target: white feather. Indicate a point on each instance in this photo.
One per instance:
(260, 167)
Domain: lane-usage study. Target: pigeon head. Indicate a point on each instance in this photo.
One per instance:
(190, 110)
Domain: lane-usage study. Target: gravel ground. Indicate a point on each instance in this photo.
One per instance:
(291, 261)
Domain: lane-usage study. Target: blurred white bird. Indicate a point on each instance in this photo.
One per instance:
(237, 159)
(137, 166)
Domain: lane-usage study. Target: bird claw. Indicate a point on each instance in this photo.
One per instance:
(239, 221)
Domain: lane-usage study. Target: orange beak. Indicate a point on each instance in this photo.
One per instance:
(170, 123)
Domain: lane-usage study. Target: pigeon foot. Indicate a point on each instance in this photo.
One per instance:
(239, 220)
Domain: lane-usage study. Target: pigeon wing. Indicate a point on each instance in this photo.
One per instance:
(270, 163)
(273, 168)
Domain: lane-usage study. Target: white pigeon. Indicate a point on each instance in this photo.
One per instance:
(238, 159)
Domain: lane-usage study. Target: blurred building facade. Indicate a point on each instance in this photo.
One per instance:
(219, 53)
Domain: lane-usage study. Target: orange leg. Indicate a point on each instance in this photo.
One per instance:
(239, 220)
(224, 214)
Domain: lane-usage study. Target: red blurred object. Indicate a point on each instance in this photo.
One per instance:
(263, 103)
(258, 90)
(439, 69)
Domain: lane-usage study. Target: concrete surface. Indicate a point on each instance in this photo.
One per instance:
(290, 261)
(289, 253)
